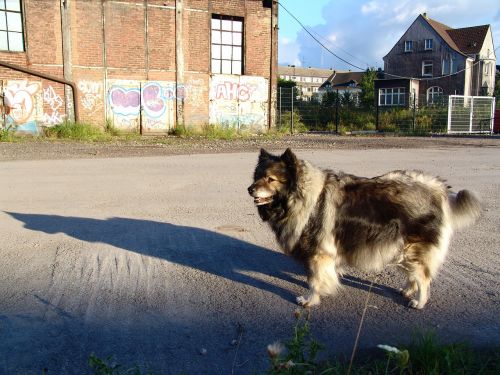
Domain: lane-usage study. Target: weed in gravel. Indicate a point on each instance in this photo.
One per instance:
(7, 134)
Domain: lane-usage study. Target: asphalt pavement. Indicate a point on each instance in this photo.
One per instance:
(163, 262)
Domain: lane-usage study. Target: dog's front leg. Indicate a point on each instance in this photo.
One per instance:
(322, 279)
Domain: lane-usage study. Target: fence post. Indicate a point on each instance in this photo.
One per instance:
(279, 115)
(291, 121)
(376, 116)
(471, 113)
(337, 113)
(450, 106)
(414, 109)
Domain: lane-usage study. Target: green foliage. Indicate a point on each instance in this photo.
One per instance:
(367, 96)
(7, 134)
(286, 83)
(76, 131)
(299, 357)
(108, 367)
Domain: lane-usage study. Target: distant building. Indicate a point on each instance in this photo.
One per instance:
(432, 59)
(343, 82)
(308, 80)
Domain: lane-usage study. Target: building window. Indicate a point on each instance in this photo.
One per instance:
(393, 96)
(427, 68)
(227, 45)
(428, 44)
(434, 94)
(11, 26)
(408, 46)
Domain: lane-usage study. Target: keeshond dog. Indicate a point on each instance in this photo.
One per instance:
(328, 220)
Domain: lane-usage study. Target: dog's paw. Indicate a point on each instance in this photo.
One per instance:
(415, 305)
(406, 293)
(308, 301)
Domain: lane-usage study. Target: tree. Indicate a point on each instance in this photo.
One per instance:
(286, 83)
(367, 97)
(496, 92)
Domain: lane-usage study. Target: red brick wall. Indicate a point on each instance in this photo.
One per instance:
(124, 54)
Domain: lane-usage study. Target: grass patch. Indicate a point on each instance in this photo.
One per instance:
(424, 356)
(217, 131)
(7, 134)
(76, 131)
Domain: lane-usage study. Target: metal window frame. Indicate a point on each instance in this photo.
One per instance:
(20, 12)
(242, 32)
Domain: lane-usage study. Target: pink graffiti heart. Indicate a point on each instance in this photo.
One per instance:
(152, 99)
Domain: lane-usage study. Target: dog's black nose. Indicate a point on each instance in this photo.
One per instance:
(250, 190)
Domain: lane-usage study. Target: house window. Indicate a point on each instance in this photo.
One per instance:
(393, 96)
(11, 26)
(427, 68)
(428, 44)
(434, 94)
(227, 45)
(408, 46)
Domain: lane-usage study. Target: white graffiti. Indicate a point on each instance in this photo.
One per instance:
(91, 94)
(55, 102)
(20, 100)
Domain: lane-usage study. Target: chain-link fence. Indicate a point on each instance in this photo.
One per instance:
(344, 112)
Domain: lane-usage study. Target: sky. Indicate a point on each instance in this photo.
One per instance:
(362, 32)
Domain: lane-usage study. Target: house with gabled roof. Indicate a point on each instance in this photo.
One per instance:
(432, 59)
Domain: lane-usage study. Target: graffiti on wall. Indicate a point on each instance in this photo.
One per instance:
(90, 95)
(54, 103)
(23, 105)
(147, 104)
(239, 101)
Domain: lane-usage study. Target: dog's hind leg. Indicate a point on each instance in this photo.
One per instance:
(322, 279)
(418, 265)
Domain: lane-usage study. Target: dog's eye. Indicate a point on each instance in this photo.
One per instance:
(270, 179)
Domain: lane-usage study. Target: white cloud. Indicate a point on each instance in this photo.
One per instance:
(362, 32)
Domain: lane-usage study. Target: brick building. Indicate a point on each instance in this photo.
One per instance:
(141, 65)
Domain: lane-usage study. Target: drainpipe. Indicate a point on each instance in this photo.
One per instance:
(179, 60)
(66, 53)
(50, 78)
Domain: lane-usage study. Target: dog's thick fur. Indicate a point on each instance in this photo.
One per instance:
(329, 220)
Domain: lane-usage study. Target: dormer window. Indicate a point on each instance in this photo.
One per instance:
(409, 46)
(428, 44)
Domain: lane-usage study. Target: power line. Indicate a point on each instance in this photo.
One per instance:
(357, 67)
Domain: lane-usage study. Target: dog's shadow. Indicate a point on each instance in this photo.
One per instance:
(212, 252)
(208, 251)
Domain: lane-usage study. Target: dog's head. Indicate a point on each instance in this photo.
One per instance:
(274, 177)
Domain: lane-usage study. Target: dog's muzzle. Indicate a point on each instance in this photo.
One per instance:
(259, 201)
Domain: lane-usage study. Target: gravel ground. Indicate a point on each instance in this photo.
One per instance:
(30, 149)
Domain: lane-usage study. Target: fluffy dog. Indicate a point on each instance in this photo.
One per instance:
(329, 220)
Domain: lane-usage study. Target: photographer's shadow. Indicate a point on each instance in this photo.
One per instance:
(201, 249)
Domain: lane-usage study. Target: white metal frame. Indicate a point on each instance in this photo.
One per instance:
(465, 123)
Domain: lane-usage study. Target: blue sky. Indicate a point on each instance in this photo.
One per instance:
(363, 31)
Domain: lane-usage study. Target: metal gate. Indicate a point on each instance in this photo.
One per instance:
(145, 107)
(470, 114)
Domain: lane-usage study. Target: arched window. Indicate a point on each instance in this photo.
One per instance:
(433, 94)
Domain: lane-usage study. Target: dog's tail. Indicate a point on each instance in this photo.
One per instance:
(465, 208)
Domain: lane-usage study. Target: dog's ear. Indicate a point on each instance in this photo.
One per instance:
(289, 158)
(264, 155)
(292, 167)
